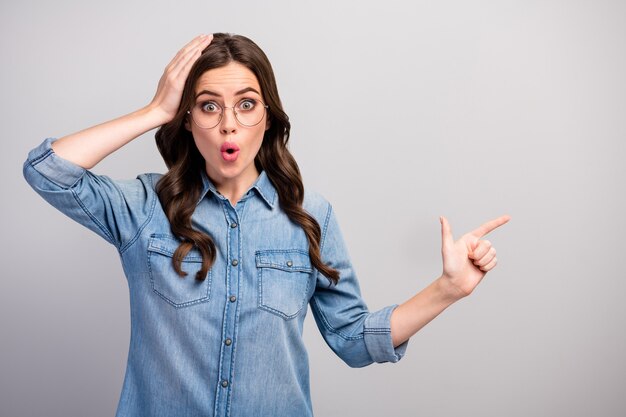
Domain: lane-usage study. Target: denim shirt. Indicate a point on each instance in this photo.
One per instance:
(230, 345)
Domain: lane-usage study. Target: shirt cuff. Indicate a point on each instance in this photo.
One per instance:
(377, 335)
(58, 170)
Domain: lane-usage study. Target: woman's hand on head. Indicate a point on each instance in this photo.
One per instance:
(466, 261)
(170, 89)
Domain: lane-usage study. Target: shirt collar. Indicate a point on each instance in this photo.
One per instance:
(263, 185)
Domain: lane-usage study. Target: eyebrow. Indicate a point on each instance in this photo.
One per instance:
(238, 93)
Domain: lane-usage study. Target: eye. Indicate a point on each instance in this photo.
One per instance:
(210, 107)
(247, 104)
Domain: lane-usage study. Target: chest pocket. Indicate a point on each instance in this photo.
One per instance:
(176, 290)
(284, 278)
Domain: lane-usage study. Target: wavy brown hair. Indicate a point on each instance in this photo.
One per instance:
(179, 189)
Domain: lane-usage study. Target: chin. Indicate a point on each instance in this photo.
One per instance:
(226, 172)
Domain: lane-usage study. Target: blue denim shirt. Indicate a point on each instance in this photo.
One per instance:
(230, 345)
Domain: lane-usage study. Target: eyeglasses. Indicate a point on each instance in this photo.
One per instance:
(208, 114)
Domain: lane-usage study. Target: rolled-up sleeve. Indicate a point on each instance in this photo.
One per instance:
(115, 210)
(359, 337)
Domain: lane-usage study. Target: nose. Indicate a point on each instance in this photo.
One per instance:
(228, 124)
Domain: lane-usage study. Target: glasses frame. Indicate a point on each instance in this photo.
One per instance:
(265, 108)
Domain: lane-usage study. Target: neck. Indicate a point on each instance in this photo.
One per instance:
(234, 188)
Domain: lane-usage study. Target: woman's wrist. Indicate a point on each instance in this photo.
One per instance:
(447, 290)
(156, 116)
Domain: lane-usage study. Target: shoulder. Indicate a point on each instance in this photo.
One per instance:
(317, 206)
(150, 179)
(141, 188)
(146, 180)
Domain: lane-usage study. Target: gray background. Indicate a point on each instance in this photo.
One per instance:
(401, 111)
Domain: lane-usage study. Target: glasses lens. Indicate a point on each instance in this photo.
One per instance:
(207, 115)
(250, 112)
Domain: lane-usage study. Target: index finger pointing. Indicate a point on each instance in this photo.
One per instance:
(490, 226)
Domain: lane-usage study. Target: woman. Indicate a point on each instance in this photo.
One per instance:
(224, 251)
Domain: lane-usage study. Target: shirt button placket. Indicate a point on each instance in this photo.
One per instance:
(233, 276)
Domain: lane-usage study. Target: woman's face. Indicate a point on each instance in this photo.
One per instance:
(229, 148)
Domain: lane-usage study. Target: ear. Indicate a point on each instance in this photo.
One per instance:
(268, 123)
(187, 123)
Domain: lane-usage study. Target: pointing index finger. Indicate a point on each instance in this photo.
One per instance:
(490, 226)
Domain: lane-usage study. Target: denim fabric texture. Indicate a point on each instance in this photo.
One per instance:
(230, 345)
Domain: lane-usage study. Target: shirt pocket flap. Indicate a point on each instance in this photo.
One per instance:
(285, 260)
(167, 245)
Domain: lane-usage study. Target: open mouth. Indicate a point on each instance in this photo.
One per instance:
(230, 151)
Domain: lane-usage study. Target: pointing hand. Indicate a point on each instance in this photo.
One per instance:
(466, 261)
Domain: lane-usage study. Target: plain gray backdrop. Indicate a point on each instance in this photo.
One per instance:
(401, 112)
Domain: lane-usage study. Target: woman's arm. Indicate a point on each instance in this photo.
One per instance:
(465, 263)
(357, 335)
(88, 147)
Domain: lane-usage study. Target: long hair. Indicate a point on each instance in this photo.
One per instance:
(179, 189)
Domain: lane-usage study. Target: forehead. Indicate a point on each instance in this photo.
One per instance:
(227, 79)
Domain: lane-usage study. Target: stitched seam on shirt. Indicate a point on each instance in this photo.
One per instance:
(32, 164)
(235, 336)
(265, 200)
(93, 218)
(38, 159)
(45, 155)
(380, 330)
(323, 239)
(330, 209)
(125, 247)
(223, 396)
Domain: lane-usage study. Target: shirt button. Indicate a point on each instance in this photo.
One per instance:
(232, 298)
(233, 225)
(289, 263)
(235, 262)
(228, 342)
(224, 383)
